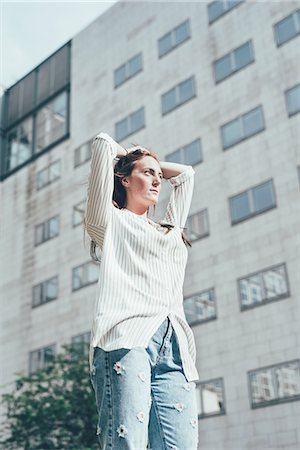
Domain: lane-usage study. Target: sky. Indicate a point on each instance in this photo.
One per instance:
(30, 31)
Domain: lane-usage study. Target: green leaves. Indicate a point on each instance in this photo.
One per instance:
(53, 408)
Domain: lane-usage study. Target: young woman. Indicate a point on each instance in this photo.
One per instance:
(142, 356)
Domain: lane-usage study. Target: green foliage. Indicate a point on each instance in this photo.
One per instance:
(53, 408)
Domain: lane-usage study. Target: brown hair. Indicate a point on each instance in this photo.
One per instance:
(124, 168)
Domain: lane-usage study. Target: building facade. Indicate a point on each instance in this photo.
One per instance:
(214, 85)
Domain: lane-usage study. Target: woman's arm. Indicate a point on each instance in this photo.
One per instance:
(100, 186)
(171, 169)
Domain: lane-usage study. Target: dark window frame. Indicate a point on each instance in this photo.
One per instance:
(225, 12)
(47, 170)
(177, 89)
(182, 151)
(201, 211)
(286, 99)
(43, 350)
(172, 33)
(128, 119)
(129, 75)
(253, 213)
(276, 401)
(266, 300)
(83, 265)
(199, 385)
(240, 118)
(231, 54)
(32, 113)
(207, 319)
(42, 295)
(45, 233)
(294, 15)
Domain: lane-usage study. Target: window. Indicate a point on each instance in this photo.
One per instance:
(200, 307)
(210, 398)
(36, 111)
(128, 70)
(19, 145)
(78, 212)
(234, 61)
(84, 275)
(48, 175)
(287, 28)
(45, 292)
(197, 225)
(242, 127)
(293, 100)
(83, 153)
(217, 9)
(174, 38)
(254, 201)
(42, 358)
(81, 343)
(275, 384)
(51, 122)
(47, 230)
(180, 94)
(263, 287)
(131, 124)
(189, 154)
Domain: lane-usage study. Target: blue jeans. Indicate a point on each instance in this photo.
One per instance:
(143, 398)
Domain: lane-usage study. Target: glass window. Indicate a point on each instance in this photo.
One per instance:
(83, 153)
(231, 133)
(242, 55)
(169, 101)
(253, 122)
(165, 44)
(240, 207)
(78, 213)
(54, 171)
(45, 292)
(137, 120)
(263, 286)
(51, 122)
(19, 144)
(122, 129)
(197, 225)
(275, 384)
(81, 343)
(263, 196)
(285, 29)
(211, 401)
(223, 67)
(186, 90)
(84, 275)
(192, 153)
(53, 229)
(39, 359)
(200, 307)
(176, 156)
(174, 38)
(181, 32)
(120, 75)
(135, 64)
(48, 175)
(218, 8)
(128, 70)
(293, 99)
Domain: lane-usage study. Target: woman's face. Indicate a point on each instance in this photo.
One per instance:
(144, 179)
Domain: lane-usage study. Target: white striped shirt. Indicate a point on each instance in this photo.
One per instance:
(142, 265)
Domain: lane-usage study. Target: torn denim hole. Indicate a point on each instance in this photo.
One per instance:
(122, 430)
(119, 368)
(193, 422)
(99, 430)
(179, 406)
(142, 376)
(141, 416)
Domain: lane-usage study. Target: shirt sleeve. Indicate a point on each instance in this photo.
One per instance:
(100, 187)
(180, 198)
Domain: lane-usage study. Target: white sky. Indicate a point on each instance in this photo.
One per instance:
(31, 30)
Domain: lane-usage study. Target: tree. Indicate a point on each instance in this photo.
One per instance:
(53, 408)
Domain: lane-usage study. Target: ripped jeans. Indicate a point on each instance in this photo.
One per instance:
(143, 398)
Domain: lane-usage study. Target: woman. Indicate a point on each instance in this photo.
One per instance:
(142, 356)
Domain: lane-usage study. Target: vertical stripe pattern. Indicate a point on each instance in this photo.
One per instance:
(142, 265)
